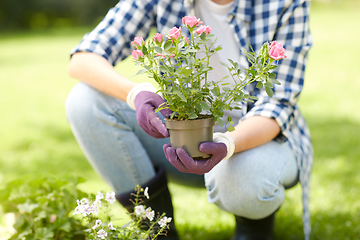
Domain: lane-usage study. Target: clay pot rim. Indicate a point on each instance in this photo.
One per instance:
(190, 123)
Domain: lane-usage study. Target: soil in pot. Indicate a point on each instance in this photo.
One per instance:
(188, 134)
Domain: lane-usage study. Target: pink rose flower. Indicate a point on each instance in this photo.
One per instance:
(137, 54)
(204, 28)
(138, 42)
(174, 33)
(158, 38)
(186, 40)
(276, 51)
(191, 21)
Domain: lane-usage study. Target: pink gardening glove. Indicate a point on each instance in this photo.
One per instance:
(184, 163)
(145, 104)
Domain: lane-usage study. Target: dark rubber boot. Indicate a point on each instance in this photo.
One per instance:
(159, 201)
(247, 229)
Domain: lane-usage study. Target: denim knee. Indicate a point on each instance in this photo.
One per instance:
(87, 108)
(249, 184)
(78, 105)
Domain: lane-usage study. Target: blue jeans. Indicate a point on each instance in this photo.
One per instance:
(250, 184)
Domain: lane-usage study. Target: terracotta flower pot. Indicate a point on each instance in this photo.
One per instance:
(189, 134)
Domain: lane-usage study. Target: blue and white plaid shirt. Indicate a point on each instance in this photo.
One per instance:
(254, 22)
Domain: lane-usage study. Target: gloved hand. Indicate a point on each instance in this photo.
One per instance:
(180, 159)
(145, 104)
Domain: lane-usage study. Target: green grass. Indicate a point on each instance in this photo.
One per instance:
(35, 136)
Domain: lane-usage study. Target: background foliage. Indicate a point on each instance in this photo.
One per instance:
(40, 14)
(35, 137)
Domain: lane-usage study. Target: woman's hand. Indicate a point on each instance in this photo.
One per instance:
(145, 104)
(181, 160)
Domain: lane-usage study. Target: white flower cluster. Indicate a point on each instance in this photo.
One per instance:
(164, 221)
(100, 230)
(85, 208)
(148, 213)
(140, 211)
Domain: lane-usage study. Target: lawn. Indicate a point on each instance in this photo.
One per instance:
(35, 137)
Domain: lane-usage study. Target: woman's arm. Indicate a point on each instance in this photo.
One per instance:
(253, 132)
(96, 71)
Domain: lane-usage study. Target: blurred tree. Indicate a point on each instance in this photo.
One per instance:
(38, 14)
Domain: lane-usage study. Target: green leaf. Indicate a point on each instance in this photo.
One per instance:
(259, 85)
(205, 106)
(276, 82)
(269, 84)
(44, 233)
(220, 122)
(66, 227)
(231, 61)
(180, 95)
(269, 91)
(244, 50)
(272, 75)
(158, 49)
(164, 69)
(24, 234)
(141, 71)
(40, 215)
(181, 44)
(250, 57)
(227, 76)
(224, 64)
(168, 45)
(193, 116)
(186, 72)
(144, 50)
(226, 89)
(27, 207)
(231, 128)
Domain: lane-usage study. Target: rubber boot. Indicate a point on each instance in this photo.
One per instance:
(248, 229)
(159, 201)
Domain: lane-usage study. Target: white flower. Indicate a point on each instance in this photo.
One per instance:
(165, 220)
(85, 210)
(77, 210)
(111, 226)
(97, 224)
(149, 214)
(146, 193)
(84, 201)
(139, 210)
(110, 197)
(101, 234)
(99, 196)
(95, 209)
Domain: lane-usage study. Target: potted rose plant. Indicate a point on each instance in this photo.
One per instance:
(174, 62)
